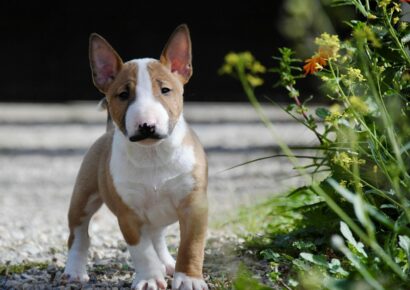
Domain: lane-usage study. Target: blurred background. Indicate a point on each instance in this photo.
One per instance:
(45, 45)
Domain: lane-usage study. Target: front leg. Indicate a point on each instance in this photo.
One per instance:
(193, 220)
(160, 246)
(149, 270)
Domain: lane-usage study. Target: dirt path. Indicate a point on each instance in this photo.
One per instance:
(41, 148)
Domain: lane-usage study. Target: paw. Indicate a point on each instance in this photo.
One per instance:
(184, 282)
(167, 261)
(169, 266)
(76, 276)
(149, 284)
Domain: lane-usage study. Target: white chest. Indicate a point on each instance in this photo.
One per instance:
(152, 181)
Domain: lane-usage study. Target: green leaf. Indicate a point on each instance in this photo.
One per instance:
(304, 245)
(404, 243)
(301, 264)
(290, 108)
(336, 267)
(344, 229)
(360, 210)
(315, 259)
(270, 255)
(322, 113)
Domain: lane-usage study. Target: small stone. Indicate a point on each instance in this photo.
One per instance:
(12, 284)
(26, 277)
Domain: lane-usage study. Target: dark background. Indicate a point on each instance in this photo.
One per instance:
(45, 45)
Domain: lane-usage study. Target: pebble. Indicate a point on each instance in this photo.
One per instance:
(110, 273)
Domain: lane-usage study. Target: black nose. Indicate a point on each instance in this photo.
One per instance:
(146, 130)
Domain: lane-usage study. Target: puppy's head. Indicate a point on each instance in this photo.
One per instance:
(144, 96)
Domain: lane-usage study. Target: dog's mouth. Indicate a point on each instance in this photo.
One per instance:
(147, 136)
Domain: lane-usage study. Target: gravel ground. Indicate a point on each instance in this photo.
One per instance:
(41, 148)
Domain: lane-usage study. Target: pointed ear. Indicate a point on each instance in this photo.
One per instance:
(105, 62)
(177, 55)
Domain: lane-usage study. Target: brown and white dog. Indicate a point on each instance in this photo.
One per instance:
(149, 169)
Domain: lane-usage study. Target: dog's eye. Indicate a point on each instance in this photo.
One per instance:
(165, 90)
(123, 96)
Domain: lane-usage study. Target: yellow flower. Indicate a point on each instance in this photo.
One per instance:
(366, 33)
(329, 45)
(232, 58)
(355, 74)
(380, 69)
(358, 105)
(257, 67)
(247, 57)
(335, 108)
(243, 63)
(358, 161)
(371, 16)
(226, 69)
(254, 80)
(333, 117)
(396, 7)
(335, 113)
(395, 20)
(342, 159)
(384, 3)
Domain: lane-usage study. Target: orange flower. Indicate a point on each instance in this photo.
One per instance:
(314, 64)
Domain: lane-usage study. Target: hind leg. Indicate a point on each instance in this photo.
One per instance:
(82, 208)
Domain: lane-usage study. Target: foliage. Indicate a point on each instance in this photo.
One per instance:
(8, 269)
(364, 144)
(245, 282)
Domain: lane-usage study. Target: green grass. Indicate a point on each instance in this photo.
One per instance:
(9, 269)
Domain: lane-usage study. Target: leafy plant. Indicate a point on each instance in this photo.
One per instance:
(363, 142)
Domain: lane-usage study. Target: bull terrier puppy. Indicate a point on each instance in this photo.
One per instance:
(149, 168)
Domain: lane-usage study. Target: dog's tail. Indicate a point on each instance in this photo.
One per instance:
(102, 106)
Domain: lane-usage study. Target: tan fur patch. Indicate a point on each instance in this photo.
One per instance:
(86, 186)
(161, 77)
(126, 80)
(193, 215)
(94, 177)
(193, 220)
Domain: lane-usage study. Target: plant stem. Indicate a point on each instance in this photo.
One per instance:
(385, 117)
(393, 34)
(299, 104)
(357, 116)
(258, 108)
